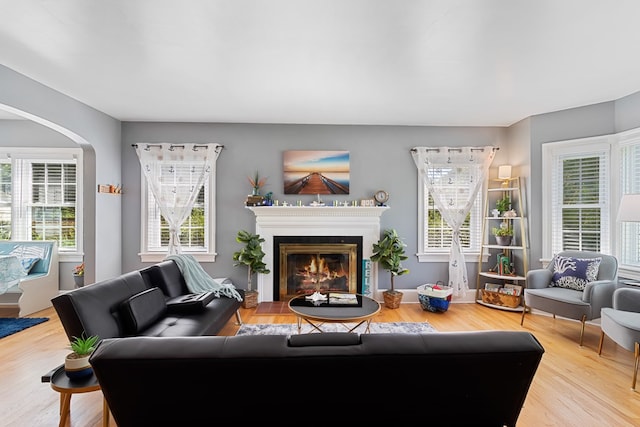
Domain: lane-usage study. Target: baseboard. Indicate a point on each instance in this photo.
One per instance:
(410, 296)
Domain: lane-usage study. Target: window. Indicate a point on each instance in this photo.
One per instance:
(435, 237)
(196, 233)
(40, 197)
(578, 181)
(629, 236)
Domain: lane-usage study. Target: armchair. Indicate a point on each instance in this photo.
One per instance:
(621, 323)
(578, 304)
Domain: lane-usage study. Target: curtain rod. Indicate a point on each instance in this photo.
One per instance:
(172, 146)
(454, 149)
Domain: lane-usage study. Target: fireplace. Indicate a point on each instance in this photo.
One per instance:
(306, 264)
(303, 221)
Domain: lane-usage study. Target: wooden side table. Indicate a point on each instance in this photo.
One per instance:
(67, 386)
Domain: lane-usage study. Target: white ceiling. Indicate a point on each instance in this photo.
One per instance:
(405, 62)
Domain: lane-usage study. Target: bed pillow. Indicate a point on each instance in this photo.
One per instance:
(28, 264)
(574, 273)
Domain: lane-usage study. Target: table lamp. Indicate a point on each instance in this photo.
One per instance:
(629, 210)
(504, 173)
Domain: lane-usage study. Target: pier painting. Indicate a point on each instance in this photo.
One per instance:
(316, 172)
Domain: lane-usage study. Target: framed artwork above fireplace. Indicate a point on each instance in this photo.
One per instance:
(316, 172)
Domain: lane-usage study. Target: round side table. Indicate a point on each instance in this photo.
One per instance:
(67, 386)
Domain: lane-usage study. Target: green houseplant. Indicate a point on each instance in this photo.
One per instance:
(76, 363)
(503, 204)
(250, 255)
(389, 253)
(504, 234)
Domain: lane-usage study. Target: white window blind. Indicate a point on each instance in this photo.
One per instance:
(194, 231)
(630, 184)
(437, 234)
(580, 200)
(40, 196)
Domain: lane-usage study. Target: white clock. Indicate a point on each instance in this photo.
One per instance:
(381, 197)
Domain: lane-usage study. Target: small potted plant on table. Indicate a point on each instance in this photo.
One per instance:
(76, 363)
(250, 255)
(389, 253)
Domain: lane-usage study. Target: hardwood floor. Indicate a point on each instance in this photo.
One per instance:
(573, 386)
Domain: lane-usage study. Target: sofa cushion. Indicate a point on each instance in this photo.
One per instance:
(141, 310)
(574, 273)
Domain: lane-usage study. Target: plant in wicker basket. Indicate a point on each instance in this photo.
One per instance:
(250, 255)
(389, 253)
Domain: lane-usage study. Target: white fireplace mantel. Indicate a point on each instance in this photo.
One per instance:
(315, 221)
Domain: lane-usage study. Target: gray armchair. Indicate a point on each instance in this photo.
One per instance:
(570, 303)
(621, 323)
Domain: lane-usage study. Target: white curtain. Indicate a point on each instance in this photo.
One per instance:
(453, 176)
(175, 173)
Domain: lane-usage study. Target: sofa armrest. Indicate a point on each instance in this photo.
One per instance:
(627, 299)
(539, 278)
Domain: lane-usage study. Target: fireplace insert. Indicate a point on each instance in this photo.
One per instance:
(306, 264)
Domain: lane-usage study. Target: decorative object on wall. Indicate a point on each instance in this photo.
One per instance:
(175, 173)
(453, 177)
(316, 172)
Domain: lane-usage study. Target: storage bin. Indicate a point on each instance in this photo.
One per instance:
(500, 299)
(435, 300)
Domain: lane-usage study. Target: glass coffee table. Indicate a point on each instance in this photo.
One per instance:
(336, 308)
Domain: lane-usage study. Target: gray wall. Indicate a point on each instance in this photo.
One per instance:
(379, 156)
(99, 137)
(380, 159)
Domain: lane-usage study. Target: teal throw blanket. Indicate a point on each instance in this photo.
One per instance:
(198, 280)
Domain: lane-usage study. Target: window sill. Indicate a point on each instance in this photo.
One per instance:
(444, 257)
(160, 256)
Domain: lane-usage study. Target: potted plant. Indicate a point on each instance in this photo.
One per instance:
(76, 363)
(389, 253)
(503, 234)
(250, 255)
(78, 275)
(503, 204)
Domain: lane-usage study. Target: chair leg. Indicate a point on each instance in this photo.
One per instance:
(583, 320)
(524, 310)
(601, 343)
(238, 318)
(635, 365)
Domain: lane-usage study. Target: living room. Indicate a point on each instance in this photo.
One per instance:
(379, 159)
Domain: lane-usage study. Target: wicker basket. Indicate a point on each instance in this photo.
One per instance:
(250, 299)
(392, 300)
(498, 298)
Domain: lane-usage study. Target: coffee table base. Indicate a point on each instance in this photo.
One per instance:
(317, 326)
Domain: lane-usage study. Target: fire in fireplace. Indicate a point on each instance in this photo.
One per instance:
(306, 264)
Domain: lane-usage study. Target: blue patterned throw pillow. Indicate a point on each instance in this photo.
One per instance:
(574, 273)
(28, 264)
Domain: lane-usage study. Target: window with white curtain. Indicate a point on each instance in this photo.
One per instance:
(435, 237)
(577, 178)
(197, 231)
(40, 196)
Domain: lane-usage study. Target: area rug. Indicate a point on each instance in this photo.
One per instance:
(376, 328)
(9, 325)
